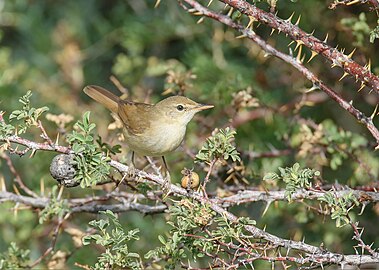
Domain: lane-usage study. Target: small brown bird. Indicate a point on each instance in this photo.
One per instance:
(150, 130)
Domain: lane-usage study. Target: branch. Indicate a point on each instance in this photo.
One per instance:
(37, 146)
(121, 207)
(313, 254)
(337, 58)
(316, 254)
(247, 196)
(248, 9)
(76, 206)
(17, 177)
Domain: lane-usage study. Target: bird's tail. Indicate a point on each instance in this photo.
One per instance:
(103, 96)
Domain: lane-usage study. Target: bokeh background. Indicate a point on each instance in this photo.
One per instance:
(55, 48)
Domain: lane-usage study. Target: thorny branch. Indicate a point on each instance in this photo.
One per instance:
(247, 196)
(314, 254)
(357, 236)
(301, 36)
(90, 205)
(127, 202)
(337, 58)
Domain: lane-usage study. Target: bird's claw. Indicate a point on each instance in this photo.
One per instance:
(166, 185)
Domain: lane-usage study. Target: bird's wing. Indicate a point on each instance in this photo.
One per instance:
(134, 116)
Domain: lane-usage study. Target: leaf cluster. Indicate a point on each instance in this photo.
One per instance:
(187, 217)
(360, 29)
(229, 232)
(340, 142)
(334, 143)
(178, 80)
(294, 177)
(55, 207)
(29, 115)
(114, 238)
(14, 258)
(340, 206)
(197, 230)
(6, 130)
(92, 164)
(219, 146)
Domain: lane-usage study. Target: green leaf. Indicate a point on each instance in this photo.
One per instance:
(219, 146)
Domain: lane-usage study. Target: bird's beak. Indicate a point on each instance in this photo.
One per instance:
(202, 107)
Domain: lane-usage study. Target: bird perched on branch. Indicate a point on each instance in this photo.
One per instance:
(150, 130)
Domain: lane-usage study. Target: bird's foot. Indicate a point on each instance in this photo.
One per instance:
(128, 175)
(166, 185)
(131, 172)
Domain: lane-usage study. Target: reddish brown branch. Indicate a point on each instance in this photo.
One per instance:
(247, 9)
(337, 58)
(358, 236)
(44, 133)
(37, 146)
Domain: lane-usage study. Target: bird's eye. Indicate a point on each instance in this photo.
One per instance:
(180, 107)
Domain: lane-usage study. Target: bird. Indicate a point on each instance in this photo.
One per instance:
(150, 130)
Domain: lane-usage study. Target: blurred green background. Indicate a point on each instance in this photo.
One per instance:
(55, 48)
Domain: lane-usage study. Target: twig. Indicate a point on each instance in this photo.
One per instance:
(210, 169)
(358, 237)
(116, 208)
(17, 177)
(373, 3)
(44, 133)
(53, 242)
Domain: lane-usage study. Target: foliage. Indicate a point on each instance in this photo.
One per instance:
(198, 231)
(27, 114)
(89, 159)
(359, 27)
(114, 238)
(55, 49)
(340, 206)
(186, 218)
(374, 34)
(6, 130)
(336, 143)
(56, 207)
(14, 258)
(178, 80)
(219, 146)
(294, 177)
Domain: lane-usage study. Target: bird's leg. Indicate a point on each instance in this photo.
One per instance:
(167, 171)
(167, 182)
(131, 168)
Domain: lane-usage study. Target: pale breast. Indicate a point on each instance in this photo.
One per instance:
(160, 141)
